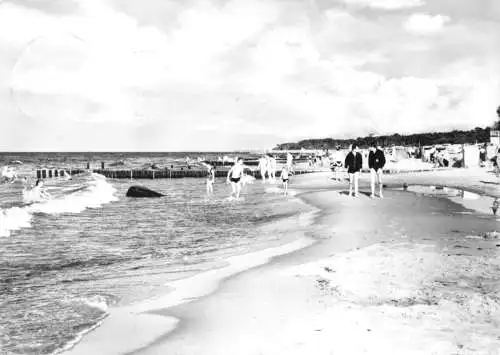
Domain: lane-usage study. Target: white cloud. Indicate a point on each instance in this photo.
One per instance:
(239, 69)
(386, 4)
(424, 24)
(115, 54)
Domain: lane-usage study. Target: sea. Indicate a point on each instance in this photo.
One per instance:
(65, 260)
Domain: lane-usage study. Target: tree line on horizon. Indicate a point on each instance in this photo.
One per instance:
(476, 135)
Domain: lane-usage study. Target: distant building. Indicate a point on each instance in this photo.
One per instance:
(495, 137)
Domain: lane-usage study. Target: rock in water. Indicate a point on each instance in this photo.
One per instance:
(140, 191)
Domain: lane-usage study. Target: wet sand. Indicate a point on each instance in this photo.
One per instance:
(407, 274)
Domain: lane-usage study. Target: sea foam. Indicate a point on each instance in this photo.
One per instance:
(90, 191)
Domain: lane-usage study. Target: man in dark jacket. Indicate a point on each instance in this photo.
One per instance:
(353, 164)
(376, 162)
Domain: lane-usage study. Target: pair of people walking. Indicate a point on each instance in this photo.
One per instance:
(354, 163)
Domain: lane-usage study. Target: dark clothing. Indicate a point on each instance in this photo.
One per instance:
(353, 163)
(376, 160)
(482, 156)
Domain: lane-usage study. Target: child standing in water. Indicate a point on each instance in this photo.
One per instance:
(284, 178)
(210, 180)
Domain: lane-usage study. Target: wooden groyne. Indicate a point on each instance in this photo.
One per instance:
(50, 173)
(154, 173)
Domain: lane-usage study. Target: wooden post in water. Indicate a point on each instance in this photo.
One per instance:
(102, 165)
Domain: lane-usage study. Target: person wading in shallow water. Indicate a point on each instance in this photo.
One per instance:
(263, 167)
(234, 176)
(210, 180)
(353, 164)
(284, 178)
(376, 162)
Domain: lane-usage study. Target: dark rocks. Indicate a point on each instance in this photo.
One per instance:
(140, 191)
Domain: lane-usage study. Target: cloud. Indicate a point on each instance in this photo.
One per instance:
(424, 24)
(386, 4)
(59, 7)
(240, 72)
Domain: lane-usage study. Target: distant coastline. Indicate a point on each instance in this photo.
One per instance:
(476, 135)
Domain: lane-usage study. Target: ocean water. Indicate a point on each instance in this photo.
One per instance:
(66, 260)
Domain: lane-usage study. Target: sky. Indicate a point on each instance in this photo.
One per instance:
(177, 75)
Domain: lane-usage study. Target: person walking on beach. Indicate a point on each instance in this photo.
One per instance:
(210, 180)
(234, 176)
(353, 164)
(284, 178)
(376, 162)
(338, 161)
(482, 156)
(263, 167)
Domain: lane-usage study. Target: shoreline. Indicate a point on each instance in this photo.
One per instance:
(143, 322)
(167, 315)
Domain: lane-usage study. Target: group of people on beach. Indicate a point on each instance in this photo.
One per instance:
(237, 178)
(353, 162)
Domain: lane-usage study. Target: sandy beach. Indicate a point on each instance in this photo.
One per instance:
(408, 274)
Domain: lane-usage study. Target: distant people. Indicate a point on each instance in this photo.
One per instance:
(234, 176)
(496, 163)
(263, 166)
(8, 174)
(442, 159)
(210, 180)
(376, 163)
(354, 163)
(482, 156)
(39, 191)
(338, 162)
(495, 205)
(326, 161)
(432, 154)
(289, 161)
(272, 167)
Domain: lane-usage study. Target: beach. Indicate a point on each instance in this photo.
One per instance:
(181, 177)
(413, 273)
